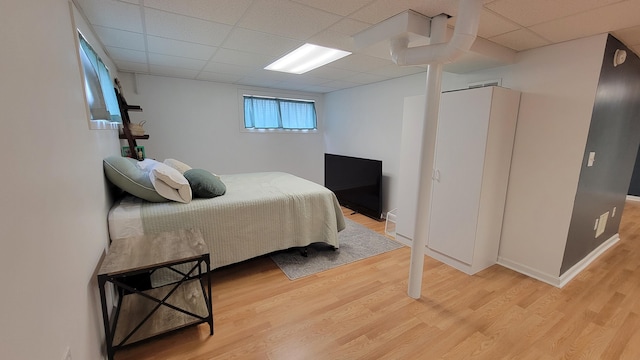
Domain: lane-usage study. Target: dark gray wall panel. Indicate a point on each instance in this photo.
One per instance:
(614, 135)
(634, 187)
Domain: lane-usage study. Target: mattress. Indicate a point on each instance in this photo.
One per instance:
(260, 213)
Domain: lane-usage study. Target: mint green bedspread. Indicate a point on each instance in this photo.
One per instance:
(260, 213)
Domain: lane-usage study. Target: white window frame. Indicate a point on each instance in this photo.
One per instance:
(93, 124)
(316, 98)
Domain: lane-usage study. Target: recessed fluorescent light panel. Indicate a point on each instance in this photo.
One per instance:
(306, 58)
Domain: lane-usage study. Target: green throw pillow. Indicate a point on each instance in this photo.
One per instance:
(204, 184)
(125, 174)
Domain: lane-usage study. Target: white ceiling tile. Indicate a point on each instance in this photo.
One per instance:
(605, 19)
(219, 77)
(332, 73)
(113, 14)
(242, 58)
(127, 66)
(349, 26)
(365, 78)
(272, 76)
(630, 36)
(179, 48)
(492, 24)
(291, 86)
(172, 72)
(378, 11)
(223, 68)
(176, 61)
(340, 7)
(528, 12)
(333, 40)
(339, 35)
(286, 18)
(179, 27)
(340, 84)
(250, 81)
(383, 9)
(222, 11)
(322, 89)
(360, 63)
(434, 8)
(296, 80)
(519, 40)
(120, 38)
(260, 43)
(393, 70)
(127, 55)
(303, 79)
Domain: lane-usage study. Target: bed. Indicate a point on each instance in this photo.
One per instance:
(260, 213)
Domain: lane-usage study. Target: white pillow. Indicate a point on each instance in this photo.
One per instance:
(178, 165)
(170, 183)
(146, 164)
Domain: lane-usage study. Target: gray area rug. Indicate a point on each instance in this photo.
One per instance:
(356, 243)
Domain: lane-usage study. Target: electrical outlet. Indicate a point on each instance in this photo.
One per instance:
(67, 354)
(602, 224)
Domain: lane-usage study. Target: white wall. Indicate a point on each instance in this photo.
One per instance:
(199, 123)
(558, 84)
(53, 199)
(366, 121)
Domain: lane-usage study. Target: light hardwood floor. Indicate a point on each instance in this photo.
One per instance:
(362, 311)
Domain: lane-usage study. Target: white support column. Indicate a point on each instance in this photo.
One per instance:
(427, 157)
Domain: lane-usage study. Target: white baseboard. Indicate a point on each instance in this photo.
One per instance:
(582, 264)
(560, 281)
(633, 198)
(528, 271)
(403, 240)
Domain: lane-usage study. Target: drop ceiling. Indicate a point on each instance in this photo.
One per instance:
(231, 41)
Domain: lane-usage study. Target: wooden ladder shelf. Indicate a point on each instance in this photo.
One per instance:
(126, 122)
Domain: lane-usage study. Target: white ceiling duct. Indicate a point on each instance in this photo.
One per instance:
(464, 34)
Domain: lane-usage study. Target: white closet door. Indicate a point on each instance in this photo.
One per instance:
(460, 150)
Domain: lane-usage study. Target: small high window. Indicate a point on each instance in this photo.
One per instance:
(267, 113)
(98, 84)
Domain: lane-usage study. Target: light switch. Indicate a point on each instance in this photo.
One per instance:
(592, 158)
(613, 213)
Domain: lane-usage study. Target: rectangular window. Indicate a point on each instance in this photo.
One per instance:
(98, 84)
(266, 113)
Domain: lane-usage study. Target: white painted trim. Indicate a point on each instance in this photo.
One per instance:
(103, 125)
(403, 240)
(454, 263)
(582, 264)
(528, 271)
(633, 198)
(560, 281)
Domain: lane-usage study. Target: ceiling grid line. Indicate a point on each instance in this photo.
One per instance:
(144, 35)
